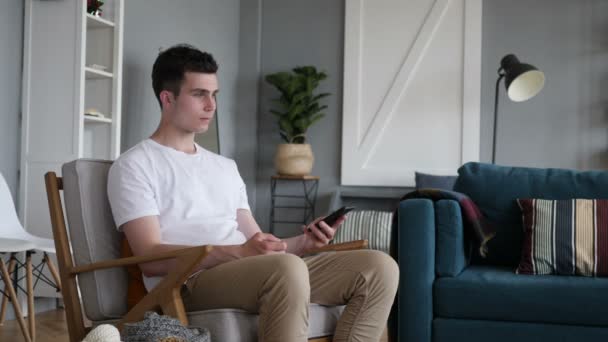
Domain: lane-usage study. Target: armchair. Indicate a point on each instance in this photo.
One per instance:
(448, 293)
(101, 273)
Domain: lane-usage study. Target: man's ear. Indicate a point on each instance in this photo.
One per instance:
(166, 98)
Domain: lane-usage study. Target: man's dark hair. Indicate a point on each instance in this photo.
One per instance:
(172, 64)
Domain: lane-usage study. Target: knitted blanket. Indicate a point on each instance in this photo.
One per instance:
(473, 218)
(155, 328)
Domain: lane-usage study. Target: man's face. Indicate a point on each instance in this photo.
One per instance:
(193, 109)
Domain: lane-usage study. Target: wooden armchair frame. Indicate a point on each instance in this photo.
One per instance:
(166, 295)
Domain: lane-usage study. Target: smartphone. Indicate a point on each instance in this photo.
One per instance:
(333, 217)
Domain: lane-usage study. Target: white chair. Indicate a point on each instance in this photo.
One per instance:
(12, 246)
(15, 239)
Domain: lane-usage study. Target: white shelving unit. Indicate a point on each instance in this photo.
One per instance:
(93, 119)
(97, 22)
(72, 63)
(94, 74)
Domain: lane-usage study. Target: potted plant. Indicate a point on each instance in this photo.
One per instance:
(298, 109)
(94, 7)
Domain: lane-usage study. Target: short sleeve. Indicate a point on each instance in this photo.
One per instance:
(243, 201)
(130, 192)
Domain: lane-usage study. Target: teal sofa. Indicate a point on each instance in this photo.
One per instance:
(448, 293)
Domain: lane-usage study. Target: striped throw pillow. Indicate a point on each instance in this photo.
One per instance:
(375, 226)
(565, 237)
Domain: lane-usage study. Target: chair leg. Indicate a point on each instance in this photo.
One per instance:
(11, 292)
(31, 316)
(53, 270)
(11, 268)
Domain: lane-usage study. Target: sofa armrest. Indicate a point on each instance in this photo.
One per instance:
(416, 258)
(451, 256)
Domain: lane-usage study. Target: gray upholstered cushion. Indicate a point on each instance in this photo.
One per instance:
(238, 325)
(94, 237)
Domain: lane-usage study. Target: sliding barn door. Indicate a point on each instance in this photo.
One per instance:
(411, 89)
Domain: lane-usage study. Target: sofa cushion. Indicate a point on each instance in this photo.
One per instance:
(565, 237)
(495, 189)
(487, 293)
(426, 181)
(497, 331)
(450, 255)
(371, 225)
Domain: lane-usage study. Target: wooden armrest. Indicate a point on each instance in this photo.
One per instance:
(134, 260)
(166, 295)
(345, 246)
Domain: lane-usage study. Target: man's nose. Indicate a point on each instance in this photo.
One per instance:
(210, 104)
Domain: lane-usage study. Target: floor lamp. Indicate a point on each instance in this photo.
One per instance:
(523, 82)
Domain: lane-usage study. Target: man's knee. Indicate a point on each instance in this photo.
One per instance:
(291, 274)
(382, 268)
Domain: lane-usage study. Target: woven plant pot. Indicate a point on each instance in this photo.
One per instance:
(293, 159)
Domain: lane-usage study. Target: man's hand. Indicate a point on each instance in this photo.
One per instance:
(263, 243)
(320, 233)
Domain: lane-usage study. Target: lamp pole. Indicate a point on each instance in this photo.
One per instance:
(501, 75)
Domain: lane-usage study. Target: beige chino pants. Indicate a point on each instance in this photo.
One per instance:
(279, 287)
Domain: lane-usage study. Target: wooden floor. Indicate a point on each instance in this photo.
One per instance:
(51, 327)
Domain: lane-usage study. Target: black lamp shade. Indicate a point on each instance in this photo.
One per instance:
(523, 81)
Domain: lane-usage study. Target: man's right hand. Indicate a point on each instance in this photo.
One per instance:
(263, 243)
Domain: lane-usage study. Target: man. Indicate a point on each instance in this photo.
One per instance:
(168, 193)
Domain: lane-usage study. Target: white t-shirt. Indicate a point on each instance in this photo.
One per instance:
(195, 196)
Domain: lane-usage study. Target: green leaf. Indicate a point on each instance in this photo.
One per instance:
(313, 108)
(316, 118)
(298, 98)
(277, 113)
(300, 124)
(279, 102)
(295, 112)
(286, 126)
(320, 96)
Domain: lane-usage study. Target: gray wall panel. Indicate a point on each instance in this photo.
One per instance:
(298, 33)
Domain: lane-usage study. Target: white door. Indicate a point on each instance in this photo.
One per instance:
(50, 128)
(412, 73)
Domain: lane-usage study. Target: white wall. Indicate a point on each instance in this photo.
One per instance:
(11, 54)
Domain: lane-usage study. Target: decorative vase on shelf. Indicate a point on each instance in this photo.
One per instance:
(293, 159)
